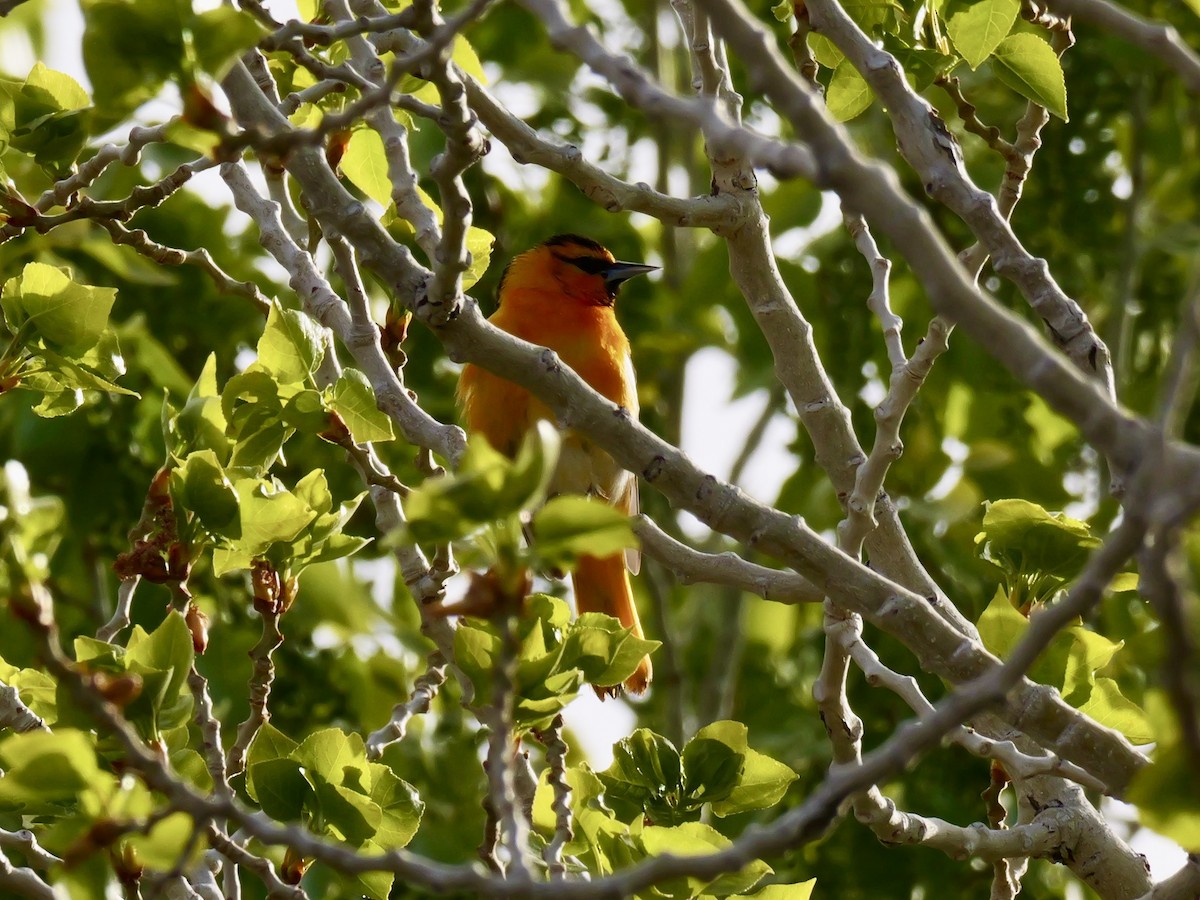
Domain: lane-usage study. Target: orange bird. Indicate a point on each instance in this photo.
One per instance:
(561, 295)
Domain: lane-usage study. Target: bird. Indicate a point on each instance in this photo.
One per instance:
(562, 295)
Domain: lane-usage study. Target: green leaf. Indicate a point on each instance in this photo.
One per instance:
(269, 743)
(168, 843)
(364, 162)
(1001, 626)
(146, 36)
(353, 399)
(169, 646)
(401, 807)
(976, 29)
(330, 752)
(353, 815)
(56, 401)
(570, 526)
(874, 16)
(280, 788)
(191, 767)
(1028, 65)
(373, 885)
(1124, 581)
(305, 411)
(1167, 792)
(479, 245)
(922, 65)
(474, 650)
(163, 659)
(55, 90)
(270, 514)
(201, 423)
(698, 839)
(594, 821)
(63, 374)
(36, 689)
(1089, 652)
(1108, 706)
(605, 651)
(68, 316)
(782, 11)
(648, 759)
(252, 404)
(762, 782)
(43, 769)
(291, 346)
(848, 94)
(711, 770)
(1167, 798)
(801, 891)
(1028, 543)
(825, 52)
(465, 58)
(47, 117)
(201, 487)
(646, 779)
(486, 488)
(219, 36)
(548, 671)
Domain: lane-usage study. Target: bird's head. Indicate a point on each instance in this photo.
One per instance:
(577, 267)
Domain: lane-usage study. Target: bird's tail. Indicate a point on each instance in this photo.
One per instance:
(602, 585)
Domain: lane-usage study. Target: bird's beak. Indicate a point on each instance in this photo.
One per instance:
(620, 272)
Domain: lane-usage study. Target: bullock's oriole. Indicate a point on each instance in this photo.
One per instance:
(561, 295)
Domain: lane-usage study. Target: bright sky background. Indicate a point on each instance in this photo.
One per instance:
(712, 421)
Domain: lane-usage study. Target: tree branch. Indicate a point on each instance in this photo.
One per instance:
(934, 154)
(16, 715)
(691, 567)
(1160, 40)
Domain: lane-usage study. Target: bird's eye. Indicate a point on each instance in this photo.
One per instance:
(591, 264)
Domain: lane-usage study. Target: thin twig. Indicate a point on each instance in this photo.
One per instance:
(16, 715)
(1160, 40)
(424, 690)
(502, 798)
(564, 830)
(27, 844)
(261, 677)
(120, 617)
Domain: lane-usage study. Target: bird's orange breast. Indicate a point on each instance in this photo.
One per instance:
(586, 337)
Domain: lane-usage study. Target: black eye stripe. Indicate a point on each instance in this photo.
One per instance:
(590, 264)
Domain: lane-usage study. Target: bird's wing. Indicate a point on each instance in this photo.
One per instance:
(629, 500)
(630, 503)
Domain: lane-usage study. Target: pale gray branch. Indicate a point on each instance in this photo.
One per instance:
(873, 188)
(22, 881)
(1183, 885)
(120, 617)
(692, 567)
(1160, 40)
(27, 843)
(360, 338)
(610, 192)
(502, 797)
(261, 677)
(128, 154)
(564, 831)
(394, 135)
(934, 154)
(424, 690)
(16, 715)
